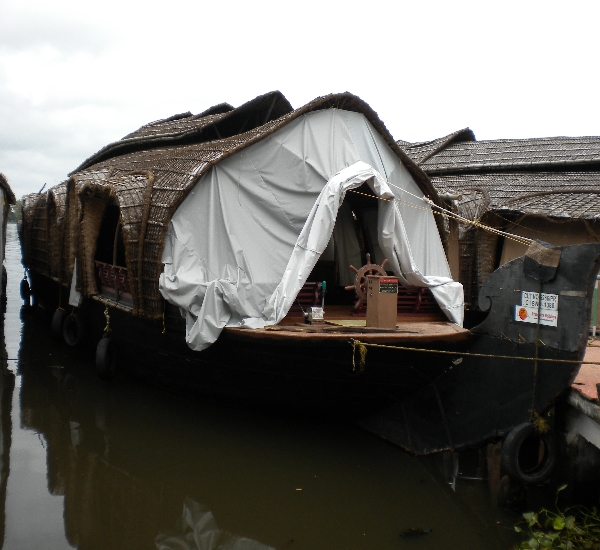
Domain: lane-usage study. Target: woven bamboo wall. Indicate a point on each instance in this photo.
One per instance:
(39, 238)
(72, 229)
(57, 209)
(93, 208)
(487, 253)
(28, 202)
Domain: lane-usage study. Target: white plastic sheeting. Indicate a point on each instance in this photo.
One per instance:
(245, 239)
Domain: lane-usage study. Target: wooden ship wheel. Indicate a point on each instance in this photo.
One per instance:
(360, 281)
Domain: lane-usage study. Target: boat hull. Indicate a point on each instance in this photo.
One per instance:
(425, 391)
(296, 368)
(515, 371)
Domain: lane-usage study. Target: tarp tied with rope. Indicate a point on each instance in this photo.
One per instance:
(245, 240)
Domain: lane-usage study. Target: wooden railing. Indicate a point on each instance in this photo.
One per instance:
(309, 295)
(412, 299)
(113, 277)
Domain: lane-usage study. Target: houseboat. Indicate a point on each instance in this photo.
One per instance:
(295, 258)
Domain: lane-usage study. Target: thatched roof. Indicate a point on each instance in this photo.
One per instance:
(10, 197)
(421, 151)
(550, 194)
(151, 171)
(562, 153)
(554, 177)
(218, 122)
(181, 123)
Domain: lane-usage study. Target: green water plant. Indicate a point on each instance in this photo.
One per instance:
(573, 528)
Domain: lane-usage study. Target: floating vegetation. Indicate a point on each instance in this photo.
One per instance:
(573, 528)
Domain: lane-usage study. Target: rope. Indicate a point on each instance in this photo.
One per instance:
(444, 212)
(362, 350)
(107, 316)
(358, 343)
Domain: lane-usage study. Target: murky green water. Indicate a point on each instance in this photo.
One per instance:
(125, 466)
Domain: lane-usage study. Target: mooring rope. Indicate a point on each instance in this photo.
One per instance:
(362, 347)
(440, 211)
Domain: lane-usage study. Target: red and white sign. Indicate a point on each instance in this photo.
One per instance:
(527, 314)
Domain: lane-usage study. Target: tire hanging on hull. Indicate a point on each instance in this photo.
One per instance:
(106, 358)
(25, 291)
(56, 326)
(73, 329)
(514, 447)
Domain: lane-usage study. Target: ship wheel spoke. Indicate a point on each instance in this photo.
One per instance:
(360, 281)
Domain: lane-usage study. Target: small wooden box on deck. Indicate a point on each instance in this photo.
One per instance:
(382, 301)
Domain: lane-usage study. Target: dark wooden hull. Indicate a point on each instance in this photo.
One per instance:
(287, 369)
(486, 396)
(419, 399)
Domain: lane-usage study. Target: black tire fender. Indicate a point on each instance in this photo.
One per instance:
(56, 326)
(512, 460)
(4, 281)
(25, 291)
(106, 358)
(73, 329)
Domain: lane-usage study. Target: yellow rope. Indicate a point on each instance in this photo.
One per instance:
(107, 316)
(362, 350)
(450, 215)
(540, 424)
(356, 343)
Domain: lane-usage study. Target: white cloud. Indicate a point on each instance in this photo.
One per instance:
(75, 76)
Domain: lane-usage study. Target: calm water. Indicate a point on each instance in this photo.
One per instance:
(124, 466)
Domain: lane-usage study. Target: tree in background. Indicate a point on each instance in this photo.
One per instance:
(15, 213)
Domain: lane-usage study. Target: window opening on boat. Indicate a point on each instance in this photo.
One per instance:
(110, 264)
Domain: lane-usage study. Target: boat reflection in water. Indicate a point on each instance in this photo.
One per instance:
(7, 385)
(198, 531)
(115, 474)
(126, 457)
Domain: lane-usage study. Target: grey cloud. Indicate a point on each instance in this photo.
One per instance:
(37, 147)
(27, 31)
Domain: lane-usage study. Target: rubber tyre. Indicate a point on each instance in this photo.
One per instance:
(4, 287)
(73, 330)
(511, 451)
(56, 326)
(4, 281)
(106, 359)
(25, 291)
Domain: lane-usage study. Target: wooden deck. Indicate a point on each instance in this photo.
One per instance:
(340, 325)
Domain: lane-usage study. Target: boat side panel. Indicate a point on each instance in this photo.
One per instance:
(485, 397)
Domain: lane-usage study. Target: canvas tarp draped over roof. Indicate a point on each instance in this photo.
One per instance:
(150, 172)
(245, 240)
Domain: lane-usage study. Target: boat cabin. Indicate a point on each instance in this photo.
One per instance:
(236, 218)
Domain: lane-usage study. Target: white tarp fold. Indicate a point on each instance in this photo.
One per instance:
(244, 241)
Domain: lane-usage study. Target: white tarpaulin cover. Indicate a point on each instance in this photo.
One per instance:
(246, 238)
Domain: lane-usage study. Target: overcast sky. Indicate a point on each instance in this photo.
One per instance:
(75, 76)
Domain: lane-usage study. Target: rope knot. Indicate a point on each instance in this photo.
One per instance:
(540, 425)
(362, 353)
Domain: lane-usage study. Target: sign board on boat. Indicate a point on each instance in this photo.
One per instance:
(532, 308)
(382, 301)
(388, 285)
